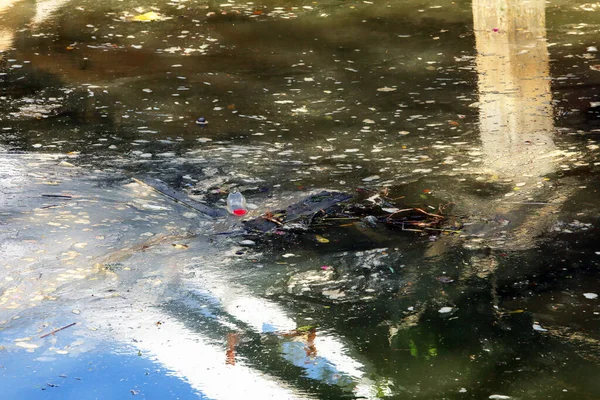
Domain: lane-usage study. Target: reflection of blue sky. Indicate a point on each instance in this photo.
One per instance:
(94, 375)
(318, 368)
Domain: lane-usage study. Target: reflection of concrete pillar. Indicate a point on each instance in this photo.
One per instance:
(6, 39)
(514, 88)
(44, 9)
(7, 33)
(17, 13)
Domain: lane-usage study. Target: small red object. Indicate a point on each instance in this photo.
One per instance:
(239, 212)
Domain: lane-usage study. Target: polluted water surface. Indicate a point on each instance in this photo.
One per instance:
(299, 200)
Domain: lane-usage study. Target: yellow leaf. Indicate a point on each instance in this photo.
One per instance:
(321, 239)
(149, 16)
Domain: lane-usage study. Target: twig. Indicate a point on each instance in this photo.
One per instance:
(58, 330)
(444, 230)
(442, 207)
(59, 196)
(412, 230)
(426, 213)
(271, 219)
(179, 198)
(268, 216)
(414, 209)
(530, 203)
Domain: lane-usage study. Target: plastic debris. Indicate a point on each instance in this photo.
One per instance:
(202, 121)
(236, 204)
(590, 296)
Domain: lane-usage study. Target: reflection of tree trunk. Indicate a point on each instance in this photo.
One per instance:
(515, 100)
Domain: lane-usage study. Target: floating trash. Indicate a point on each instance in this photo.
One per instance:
(236, 204)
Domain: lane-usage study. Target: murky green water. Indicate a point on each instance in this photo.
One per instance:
(488, 110)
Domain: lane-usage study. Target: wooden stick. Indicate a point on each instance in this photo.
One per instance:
(58, 330)
(59, 196)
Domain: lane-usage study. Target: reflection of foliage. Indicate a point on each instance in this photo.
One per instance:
(421, 343)
(382, 387)
(427, 352)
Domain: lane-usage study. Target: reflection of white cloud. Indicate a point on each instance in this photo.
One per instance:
(188, 353)
(189, 356)
(13, 172)
(331, 364)
(264, 316)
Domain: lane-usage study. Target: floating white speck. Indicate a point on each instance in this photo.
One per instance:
(147, 90)
(36, 146)
(284, 101)
(445, 310)
(536, 327)
(592, 49)
(247, 242)
(288, 255)
(386, 89)
(371, 178)
(499, 397)
(309, 79)
(368, 121)
(300, 110)
(590, 295)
